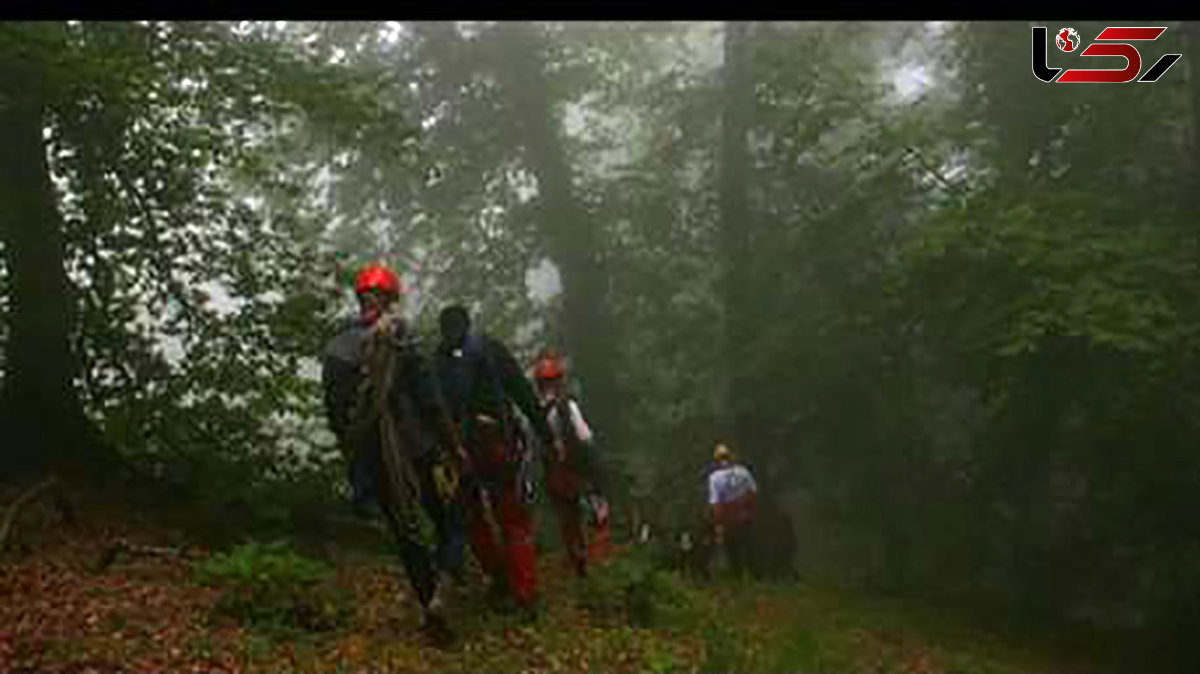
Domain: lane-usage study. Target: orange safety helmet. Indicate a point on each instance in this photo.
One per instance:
(377, 277)
(548, 367)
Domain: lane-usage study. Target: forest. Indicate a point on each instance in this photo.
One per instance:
(947, 313)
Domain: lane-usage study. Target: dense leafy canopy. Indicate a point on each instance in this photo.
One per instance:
(963, 339)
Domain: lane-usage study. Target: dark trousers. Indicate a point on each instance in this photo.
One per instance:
(420, 564)
(565, 487)
(739, 547)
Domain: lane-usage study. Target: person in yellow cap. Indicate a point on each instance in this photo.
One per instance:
(732, 498)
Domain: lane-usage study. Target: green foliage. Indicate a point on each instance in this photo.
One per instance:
(971, 332)
(635, 589)
(606, 589)
(274, 588)
(184, 156)
(724, 650)
(798, 652)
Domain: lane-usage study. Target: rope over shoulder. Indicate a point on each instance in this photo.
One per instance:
(381, 349)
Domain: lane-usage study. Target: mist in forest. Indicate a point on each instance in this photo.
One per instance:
(946, 313)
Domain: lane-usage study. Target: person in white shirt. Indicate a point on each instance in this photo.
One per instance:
(571, 473)
(732, 498)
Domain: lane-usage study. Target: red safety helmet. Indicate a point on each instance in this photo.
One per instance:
(548, 367)
(377, 278)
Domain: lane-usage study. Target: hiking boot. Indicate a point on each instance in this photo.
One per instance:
(437, 631)
(435, 605)
(581, 567)
(433, 622)
(457, 588)
(498, 598)
(529, 613)
(457, 578)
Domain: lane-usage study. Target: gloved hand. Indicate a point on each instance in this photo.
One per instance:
(525, 481)
(601, 510)
(389, 323)
(465, 465)
(528, 491)
(445, 480)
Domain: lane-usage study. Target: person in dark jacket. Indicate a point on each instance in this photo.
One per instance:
(482, 382)
(372, 353)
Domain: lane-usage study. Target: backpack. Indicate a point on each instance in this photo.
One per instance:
(475, 364)
(475, 367)
(581, 456)
(565, 429)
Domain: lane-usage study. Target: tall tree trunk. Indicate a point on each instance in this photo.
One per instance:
(571, 237)
(736, 224)
(40, 409)
(1191, 44)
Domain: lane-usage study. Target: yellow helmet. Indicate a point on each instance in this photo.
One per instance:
(722, 453)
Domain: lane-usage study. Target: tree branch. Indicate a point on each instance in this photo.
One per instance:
(30, 494)
(110, 554)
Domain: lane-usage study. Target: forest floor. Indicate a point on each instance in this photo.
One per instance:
(59, 612)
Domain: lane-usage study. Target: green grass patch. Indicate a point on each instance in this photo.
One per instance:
(273, 588)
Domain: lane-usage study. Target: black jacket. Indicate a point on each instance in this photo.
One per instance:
(480, 376)
(415, 399)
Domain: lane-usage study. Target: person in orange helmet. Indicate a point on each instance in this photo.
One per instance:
(572, 476)
(398, 438)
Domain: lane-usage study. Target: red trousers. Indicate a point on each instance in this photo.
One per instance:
(599, 542)
(514, 560)
(565, 488)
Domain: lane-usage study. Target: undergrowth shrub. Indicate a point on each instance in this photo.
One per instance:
(634, 588)
(274, 588)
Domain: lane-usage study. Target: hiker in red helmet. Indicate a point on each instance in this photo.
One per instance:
(396, 433)
(572, 476)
